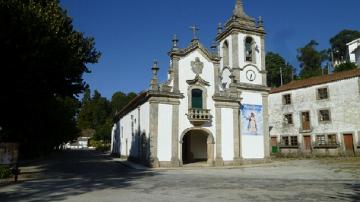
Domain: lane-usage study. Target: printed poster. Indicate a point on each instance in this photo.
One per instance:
(251, 120)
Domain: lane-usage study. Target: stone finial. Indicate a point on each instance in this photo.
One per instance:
(219, 28)
(154, 80)
(175, 42)
(239, 9)
(155, 68)
(214, 46)
(195, 30)
(260, 21)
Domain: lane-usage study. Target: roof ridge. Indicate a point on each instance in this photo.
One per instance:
(317, 80)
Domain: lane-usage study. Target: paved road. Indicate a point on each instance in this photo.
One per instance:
(92, 176)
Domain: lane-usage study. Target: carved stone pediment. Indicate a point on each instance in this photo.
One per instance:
(198, 81)
(197, 66)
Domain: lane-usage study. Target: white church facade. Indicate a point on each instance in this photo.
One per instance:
(213, 106)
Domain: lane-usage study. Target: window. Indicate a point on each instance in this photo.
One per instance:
(285, 140)
(320, 140)
(287, 99)
(332, 139)
(249, 49)
(294, 141)
(225, 49)
(329, 139)
(324, 115)
(289, 141)
(196, 99)
(288, 119)
(322, 93)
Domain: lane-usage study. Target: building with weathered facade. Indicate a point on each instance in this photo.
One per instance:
(317, 116)
(213, 106)
(354, 51)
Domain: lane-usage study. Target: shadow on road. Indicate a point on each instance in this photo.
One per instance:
(70, 173)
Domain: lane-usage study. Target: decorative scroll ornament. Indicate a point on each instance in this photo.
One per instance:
(198, 81)
(197, 66)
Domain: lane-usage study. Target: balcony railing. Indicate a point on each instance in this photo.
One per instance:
(199, 116)
(305, 129)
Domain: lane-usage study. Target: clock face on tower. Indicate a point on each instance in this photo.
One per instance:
(250, 75)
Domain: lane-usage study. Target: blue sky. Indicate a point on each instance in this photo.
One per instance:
(132, 33)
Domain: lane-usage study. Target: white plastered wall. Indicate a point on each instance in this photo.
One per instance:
(127, 133)
(227, 134)
(164, 132)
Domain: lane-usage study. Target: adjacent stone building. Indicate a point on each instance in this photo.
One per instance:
(354, 51)
(213, 106)
(317, 116)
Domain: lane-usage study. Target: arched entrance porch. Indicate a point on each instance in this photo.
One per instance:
(196, 145)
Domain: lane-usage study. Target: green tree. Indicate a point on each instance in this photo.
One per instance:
(119, 100)
(85, 117)
(311, 60)
(339, 41)
(274, 62)
(43, 59)
(345, 66)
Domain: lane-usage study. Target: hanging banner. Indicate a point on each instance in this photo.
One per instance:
(251, 119)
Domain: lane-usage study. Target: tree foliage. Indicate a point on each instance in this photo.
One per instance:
(345, 66)
(339, 41)
(43, 60)
(97, 112)
(274, 62)
(311, 60)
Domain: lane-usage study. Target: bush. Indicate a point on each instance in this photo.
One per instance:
(5, 172)
(100, 145)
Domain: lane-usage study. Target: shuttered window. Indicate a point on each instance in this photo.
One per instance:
(196, 98)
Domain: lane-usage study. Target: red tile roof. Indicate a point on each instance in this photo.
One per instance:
(317, 80)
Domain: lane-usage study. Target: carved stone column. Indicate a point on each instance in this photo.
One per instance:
(154, 109)
(210, 150)
(175, 67)
(219, 160)
(263, 64)
(237, 142)
(235, 56)
(266, 124)
(175, 162)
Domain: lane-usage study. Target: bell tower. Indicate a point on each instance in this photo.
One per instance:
(241, 47)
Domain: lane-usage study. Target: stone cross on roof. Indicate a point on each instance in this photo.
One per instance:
(194, 29)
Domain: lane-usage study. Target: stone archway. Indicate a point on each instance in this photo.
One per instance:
(197, 144)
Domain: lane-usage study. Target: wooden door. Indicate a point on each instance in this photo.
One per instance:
(348, 142)
(305, 120)
(307, 143)
(274, 146)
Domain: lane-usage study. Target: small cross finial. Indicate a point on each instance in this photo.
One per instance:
(219, 28)
(175, 41)
(194, 29)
